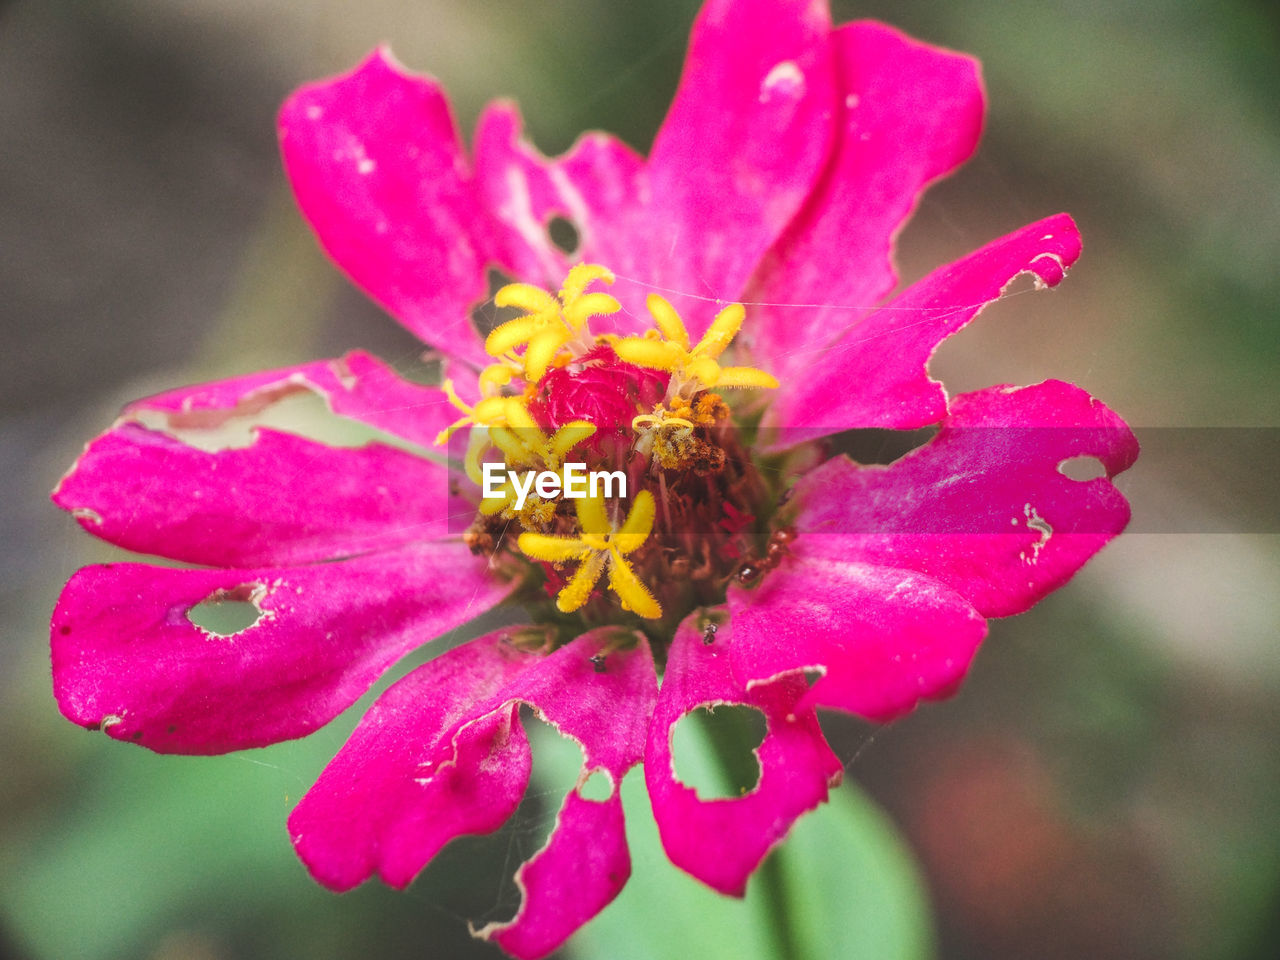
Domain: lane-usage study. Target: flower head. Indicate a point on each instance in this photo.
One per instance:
(725, 549)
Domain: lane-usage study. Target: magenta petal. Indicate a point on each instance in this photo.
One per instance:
(126, 657)
(747, 136)
(585, 862)
(875, 374)
(600, 186)
(442, 753)
(375, 160)
(722, 841)
(907, 113)
(284, 499)
(983, 507)
(358, 386)
(882, 638)
(420, 769)
(583, 867)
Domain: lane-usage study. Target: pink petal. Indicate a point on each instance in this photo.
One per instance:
(126, 657)
(585, 862)
(583, 867)
(875, 374)
(984, 506)
(421, 768)
(284, 499)
(882, 638)
(722, 841)
(378, 169)
(747, 136)
(600, 186)
(442, 753)
(358, 385)
(907, 113)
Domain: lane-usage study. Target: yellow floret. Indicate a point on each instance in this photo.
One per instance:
(550, 323)
(697, 369)
(599, 546)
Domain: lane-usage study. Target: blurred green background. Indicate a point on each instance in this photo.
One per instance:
(1105, 785)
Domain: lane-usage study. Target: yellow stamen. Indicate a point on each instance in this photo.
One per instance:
(693, 370)
(489, 420)
(660, 418)
(494, 377)
(523, 442)
(550, 323)
(487, 412)
(601, 545)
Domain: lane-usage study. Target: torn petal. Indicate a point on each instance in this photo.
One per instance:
(127, 657)
(722, 841)
(357, 385)
(442, 753)
(875, 374)
(282, 500)
(604, 704)
(882, 639)
(600, 186)
(906, 114)
(985, 506)
(420, 769)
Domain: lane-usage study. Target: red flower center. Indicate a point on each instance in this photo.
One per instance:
(600, 389)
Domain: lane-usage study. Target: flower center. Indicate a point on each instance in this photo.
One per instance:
(689, 510)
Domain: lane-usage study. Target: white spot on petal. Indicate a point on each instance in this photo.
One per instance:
(365, 166)
(852, 101)
(785, 80)
(315, 112)
(1041, 526)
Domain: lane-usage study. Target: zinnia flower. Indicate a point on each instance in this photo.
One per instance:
(710, 328)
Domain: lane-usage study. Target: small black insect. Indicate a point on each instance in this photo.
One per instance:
(598, 662)
(709, 633)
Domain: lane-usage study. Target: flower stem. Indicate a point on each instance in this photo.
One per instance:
(781, 919)
(733, 744)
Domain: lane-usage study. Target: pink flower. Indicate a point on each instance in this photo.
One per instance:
(791, 156)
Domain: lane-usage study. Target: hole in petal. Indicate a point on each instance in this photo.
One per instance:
(557, 765)
(564, 233)
(224, 613)
(599, 787)
(715, 748)
(1082, 468)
